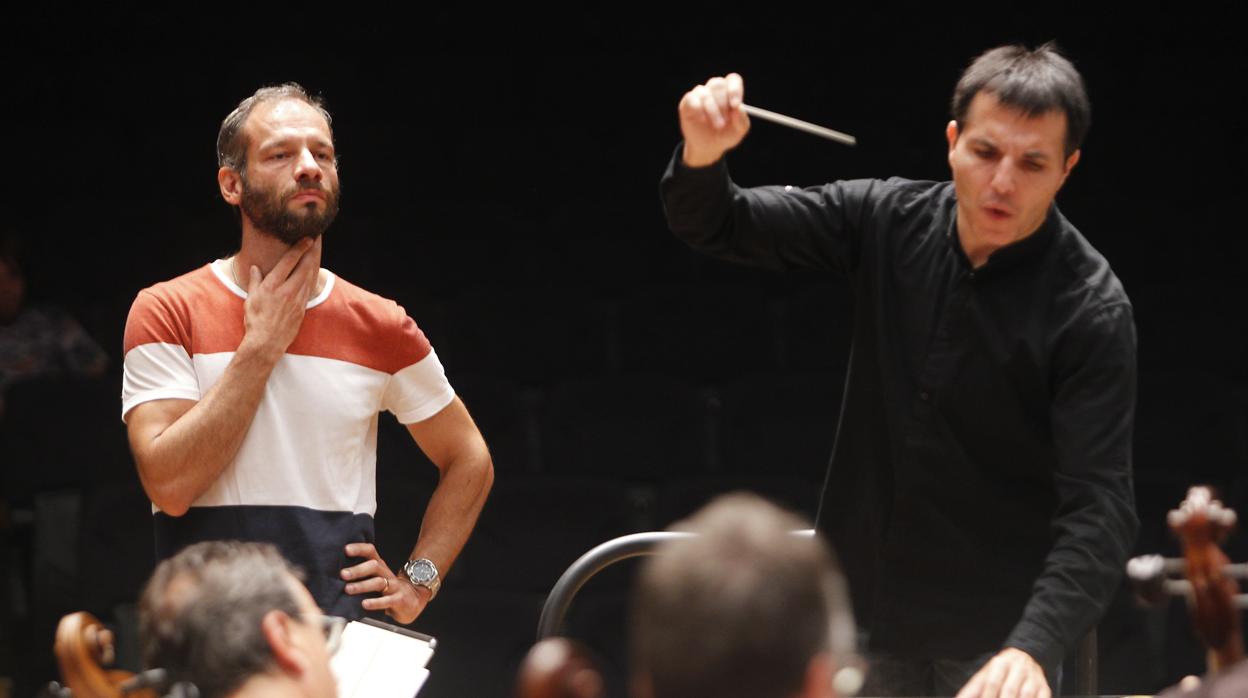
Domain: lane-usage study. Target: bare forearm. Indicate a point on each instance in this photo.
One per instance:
(454, 507)
(180, 463)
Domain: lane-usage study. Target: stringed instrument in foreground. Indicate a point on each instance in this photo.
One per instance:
(83, 648)
(1204, 575)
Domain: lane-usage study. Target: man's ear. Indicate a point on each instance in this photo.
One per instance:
(231, 184)
(279, 632)
(1070, 165)
(951, 135)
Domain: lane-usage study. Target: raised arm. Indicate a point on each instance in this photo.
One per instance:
(182, 446)
(773, 227)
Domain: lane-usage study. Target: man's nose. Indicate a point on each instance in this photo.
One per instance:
(1003, 177)
(307, 167)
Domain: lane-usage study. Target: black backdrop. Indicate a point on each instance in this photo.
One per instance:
(519, 151)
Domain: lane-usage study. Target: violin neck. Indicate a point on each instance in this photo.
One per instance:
(1228, 654)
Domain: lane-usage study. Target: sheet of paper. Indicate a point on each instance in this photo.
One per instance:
(376, 661)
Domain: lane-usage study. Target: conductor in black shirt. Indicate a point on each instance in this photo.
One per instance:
(979, 492)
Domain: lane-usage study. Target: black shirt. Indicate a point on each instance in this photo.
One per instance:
(979, 492)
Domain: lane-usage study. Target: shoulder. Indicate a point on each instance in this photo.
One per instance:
(393, 338)
(913, 193)
(906, 212)
(365, 307)
(163, 311)
(898, 191)
(900, 200)
(874, 201)
(181, 296)
(1085, 282)
(1094, 317)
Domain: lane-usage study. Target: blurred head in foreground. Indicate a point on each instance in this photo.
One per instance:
(559, 667)
(745, 608)
(234, 619)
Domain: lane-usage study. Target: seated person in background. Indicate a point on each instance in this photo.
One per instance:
(745, 608)
(41, 340)
(234, 619)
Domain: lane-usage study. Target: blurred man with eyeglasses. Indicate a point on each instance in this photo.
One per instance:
(234, 619)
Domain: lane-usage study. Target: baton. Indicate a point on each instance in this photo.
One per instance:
(800, 125)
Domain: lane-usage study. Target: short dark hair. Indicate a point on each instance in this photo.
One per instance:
(1034, 82)
(231, 141)
(740, 609)
(200, 613)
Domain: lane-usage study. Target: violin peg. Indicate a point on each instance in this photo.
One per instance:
(1145, 567)
(1147, 575)
(100, 640)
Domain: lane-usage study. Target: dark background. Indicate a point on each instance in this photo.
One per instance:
(500, 180)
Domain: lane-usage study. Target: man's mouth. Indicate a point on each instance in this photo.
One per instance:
(998, 213)
(306, 195)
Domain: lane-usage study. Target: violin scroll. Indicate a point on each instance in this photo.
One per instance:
(83, 648)
(1202, 523)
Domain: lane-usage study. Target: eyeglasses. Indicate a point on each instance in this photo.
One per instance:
(332, 626)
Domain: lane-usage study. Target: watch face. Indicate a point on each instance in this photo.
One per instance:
(421, 571)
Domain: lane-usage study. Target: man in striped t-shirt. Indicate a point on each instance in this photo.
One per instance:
(253, 384)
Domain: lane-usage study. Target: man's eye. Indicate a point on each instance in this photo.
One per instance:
(278, 156)
(1032, 166)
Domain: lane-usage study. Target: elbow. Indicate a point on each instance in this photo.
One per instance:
(173, 509)
(487, 475)
(164, 493)
(480, 470)
(482, 473)
(168, 501)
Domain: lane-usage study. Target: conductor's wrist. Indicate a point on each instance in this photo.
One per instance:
(694, 157)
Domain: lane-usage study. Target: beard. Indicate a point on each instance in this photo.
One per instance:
(268, 209)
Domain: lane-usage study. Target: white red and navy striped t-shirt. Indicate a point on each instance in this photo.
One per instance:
(305, 475)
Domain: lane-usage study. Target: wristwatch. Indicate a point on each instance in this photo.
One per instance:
(422, 572)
